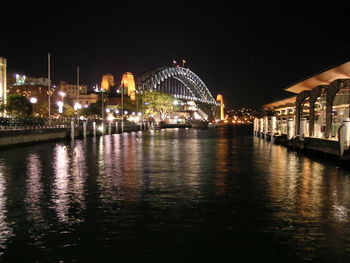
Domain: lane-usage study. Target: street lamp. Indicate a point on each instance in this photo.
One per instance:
(77, 106)
(60, 106)
(33, 100)
(62, 94)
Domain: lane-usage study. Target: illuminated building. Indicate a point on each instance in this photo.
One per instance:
(220, 99)
(107, 82)
(32, 87)
(84, 99)
(3, 82)
(72, 89)
(128, 84)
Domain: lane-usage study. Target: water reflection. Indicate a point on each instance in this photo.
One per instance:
(5, 229)
(60, 194)
(69, 176)
(171, 187)
(34, 188)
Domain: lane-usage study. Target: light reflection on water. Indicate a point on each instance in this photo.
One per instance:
(175, 190)
(5, 229)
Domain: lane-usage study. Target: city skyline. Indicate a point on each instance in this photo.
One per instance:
(237, 50)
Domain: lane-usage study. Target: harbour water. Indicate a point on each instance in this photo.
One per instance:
(172, 194)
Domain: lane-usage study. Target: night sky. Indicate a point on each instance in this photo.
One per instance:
(248, 52)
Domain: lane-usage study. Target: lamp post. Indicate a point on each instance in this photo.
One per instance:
(60, 106)
(103, 111)
(122, 102)
(62, 94)
(77, 107)
(33, 100)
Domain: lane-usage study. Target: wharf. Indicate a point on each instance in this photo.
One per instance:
(308, 144)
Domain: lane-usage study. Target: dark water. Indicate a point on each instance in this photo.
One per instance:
(175, 194)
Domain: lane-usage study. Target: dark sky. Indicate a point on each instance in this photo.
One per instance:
(248, 52)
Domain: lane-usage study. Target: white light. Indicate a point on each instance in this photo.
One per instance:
(59, 103)
(133, 113)
(117, 111)
(140, 114)
(126, 112)
(77, 106)
(33, 100)
(108, 110)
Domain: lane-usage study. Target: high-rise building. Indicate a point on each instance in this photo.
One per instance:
(3, 82)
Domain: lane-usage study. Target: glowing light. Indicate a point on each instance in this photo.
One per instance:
(60, 106)
(33, 100)
(117, 111)
(77, 106)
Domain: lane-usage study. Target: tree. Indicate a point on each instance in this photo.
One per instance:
(68, 110)
(18, 105)
(94, 109)
(158, 103)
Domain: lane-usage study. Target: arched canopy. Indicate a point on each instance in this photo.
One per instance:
(178, 81)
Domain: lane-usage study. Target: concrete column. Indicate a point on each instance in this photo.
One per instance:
(72, 130)
(261, 126)
(254, 126)
(84, 129)
(94, 128)
(266, 126)
(290, 128)
(122, 127)
(344, 135)
(273, 124)
(109, 127)
(116, 127)
(302, 128)
(140, 126)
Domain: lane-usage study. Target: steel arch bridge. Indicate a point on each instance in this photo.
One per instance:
(180, 82)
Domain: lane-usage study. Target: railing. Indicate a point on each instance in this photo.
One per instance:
(41, 123)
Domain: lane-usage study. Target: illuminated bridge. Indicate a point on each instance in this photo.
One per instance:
(180, 82)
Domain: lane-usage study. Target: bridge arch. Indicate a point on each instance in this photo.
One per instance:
(181, 82)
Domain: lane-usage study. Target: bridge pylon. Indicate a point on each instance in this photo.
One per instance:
(220, 100)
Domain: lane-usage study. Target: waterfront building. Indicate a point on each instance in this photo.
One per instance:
(322, 100)
(32, 88)
(3, 80)
(319, 109)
